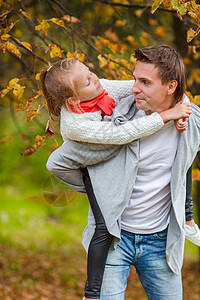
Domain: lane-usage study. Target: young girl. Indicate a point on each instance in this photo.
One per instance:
(71, 89)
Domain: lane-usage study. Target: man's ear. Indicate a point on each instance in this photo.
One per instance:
(72, 101)
(172, 87)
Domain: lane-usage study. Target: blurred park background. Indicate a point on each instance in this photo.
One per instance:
(42, 220)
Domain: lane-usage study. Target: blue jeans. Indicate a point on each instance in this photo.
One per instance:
(147, 254)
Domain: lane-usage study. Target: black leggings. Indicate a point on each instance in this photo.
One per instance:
(99, 245)
(189, 200)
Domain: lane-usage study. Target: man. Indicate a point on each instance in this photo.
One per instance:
(149, 175)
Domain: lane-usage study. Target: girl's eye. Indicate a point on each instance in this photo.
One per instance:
(88, 83)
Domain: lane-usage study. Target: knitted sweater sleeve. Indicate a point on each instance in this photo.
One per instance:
(76, 127)
(118, 89)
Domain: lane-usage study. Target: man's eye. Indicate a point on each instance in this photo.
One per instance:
(145, 82)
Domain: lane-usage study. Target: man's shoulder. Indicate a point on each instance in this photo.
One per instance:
(195, 110)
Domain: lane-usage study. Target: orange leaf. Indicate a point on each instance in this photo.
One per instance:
(44, 26)
(27, 45)
(26, 14)
(5, 36)
(191, 34)
(31, 113)
(13, 49)
(39, 140)
(58, 22)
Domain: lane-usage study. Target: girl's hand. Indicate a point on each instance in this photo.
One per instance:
(181, 124)
(179, 111)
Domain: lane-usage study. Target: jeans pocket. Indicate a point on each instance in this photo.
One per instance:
(162, 235)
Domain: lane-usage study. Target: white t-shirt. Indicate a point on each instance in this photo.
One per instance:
(149, 206)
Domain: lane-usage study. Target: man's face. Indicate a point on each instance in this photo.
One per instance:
(150, 94)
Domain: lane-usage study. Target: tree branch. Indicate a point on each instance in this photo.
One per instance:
(133, 5)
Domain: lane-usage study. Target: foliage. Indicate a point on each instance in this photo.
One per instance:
(36, 33)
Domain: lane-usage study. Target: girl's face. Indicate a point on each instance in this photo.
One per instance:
(85, 82)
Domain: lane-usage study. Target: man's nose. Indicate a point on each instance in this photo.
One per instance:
(135, 88)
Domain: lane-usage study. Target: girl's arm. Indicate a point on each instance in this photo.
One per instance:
(76, 127)
(118, 89)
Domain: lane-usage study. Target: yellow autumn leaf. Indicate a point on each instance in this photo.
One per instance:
(70, 54)
(13, 49)
(4, 92)
(13, 82)
(58, 22)
(190, 96)
(27, 45)
(197, 100)
(191, 34)
(18, 90)
(5, 36)
(80, 56)
(26, 14)
(155, 5)
(102, 61)
(44, 26)
(55, 51)
(37, 76)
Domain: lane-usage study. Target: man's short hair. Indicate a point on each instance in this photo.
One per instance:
(169, 63)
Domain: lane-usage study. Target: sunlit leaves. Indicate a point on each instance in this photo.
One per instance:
(55, 51)
(155, 5)
(25, 14)
(11, 48)
(58, 22)
(5, 36)
(44, 26)
(191, 34)
(77, 54)
(17, 89)
(27, 45)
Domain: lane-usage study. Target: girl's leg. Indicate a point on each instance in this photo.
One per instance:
(99, 245)
(189, 201)
(192, 231)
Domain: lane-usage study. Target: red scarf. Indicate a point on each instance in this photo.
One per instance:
(103, 102)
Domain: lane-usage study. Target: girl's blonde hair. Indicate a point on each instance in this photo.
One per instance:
(55, 88)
